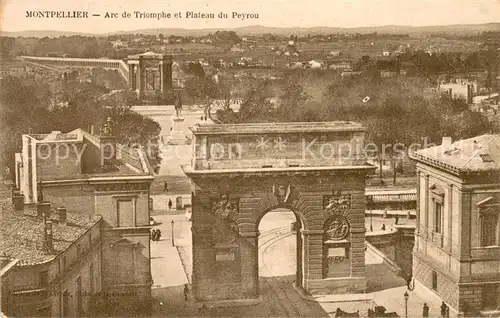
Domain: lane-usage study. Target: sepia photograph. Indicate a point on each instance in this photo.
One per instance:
(264, 158)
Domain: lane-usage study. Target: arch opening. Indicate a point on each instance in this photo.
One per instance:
(280, 256)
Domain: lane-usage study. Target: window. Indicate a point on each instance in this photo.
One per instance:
(65, 304)
(434, 280)
(438, 217)
(79, 295)
(43, 279)
(125, 213)
(489, 227)
(91, 278)
(486, 158)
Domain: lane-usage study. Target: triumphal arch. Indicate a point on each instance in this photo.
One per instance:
(241, 172)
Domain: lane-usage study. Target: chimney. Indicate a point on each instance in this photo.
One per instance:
(107, 145)
(446, 142)
(48, 239)
(61, 214)
(476, 145)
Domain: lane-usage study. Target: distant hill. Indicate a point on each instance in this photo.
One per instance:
(457, 29)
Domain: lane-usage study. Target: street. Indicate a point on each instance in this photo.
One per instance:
(171, 266)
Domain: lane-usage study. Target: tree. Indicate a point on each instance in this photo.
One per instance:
(229, 93)
(25, 105)
(204, 88)
(6, 44)
(193, 68)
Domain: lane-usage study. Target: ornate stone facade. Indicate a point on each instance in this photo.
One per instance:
(229, 202)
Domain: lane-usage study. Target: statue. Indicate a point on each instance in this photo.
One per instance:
(225, 228)
(39, 192)
(337, 202)
(106, 128)
(178, 105)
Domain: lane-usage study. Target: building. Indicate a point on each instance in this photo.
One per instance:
(457, 239)
(92, 176)
(408, 69)
(15, 69)
(342, 66)
(388, 74)
(55, 262)
(459, 89)
(119, 44)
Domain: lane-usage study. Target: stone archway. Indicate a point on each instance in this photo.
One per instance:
(229, 201)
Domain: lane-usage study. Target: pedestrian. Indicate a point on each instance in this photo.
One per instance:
(158, 235)
(165, 187)
(383, 227)
(205, 117)
(169, 204)
(425, 310)
(155, 235)
(443, 309)
(186, 291)
(447, 311)
(397, 220)
(408, 282)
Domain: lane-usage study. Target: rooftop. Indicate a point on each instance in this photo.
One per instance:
(128, 161)
(258, 128)
(149, 55)
(476, 154)
(23, 233)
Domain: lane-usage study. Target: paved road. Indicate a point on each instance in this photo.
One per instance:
(173, 156)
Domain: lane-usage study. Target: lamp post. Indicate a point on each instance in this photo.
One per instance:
(371, 222)
(172, 223)
(406, 296)
(369, 204)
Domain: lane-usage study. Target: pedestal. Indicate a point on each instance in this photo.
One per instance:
(18, 201)
(43, 209)
(178, 136)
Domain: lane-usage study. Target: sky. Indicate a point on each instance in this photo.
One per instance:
(272, 13)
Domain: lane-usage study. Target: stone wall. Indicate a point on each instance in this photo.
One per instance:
(58, 160)
(254, 196)
(76, 198)
(447, 289)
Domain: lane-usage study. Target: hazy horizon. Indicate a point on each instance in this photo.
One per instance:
(272, 14)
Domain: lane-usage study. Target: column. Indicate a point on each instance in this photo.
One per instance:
(162, 80)
(465, 224)
(141, 74)
(449, 202)
(131, 81)
(313, 254)
(134, 77)
(426, 206)
(417, 210)
(166, 74)
(249, 264)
